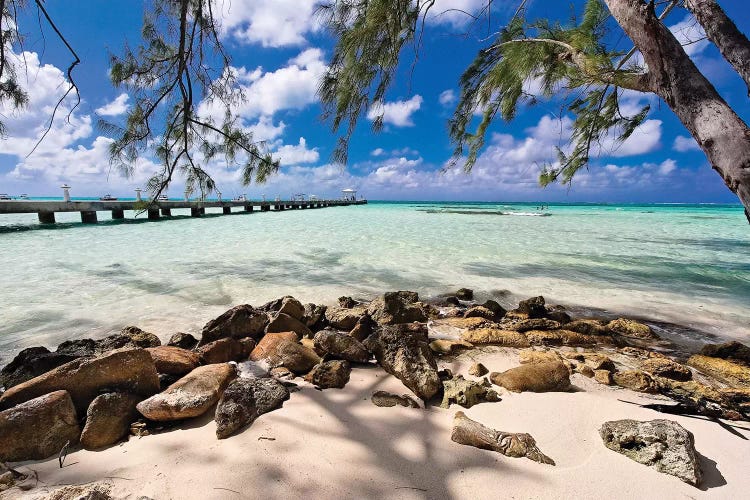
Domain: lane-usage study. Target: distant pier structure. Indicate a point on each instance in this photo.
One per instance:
(156, 209)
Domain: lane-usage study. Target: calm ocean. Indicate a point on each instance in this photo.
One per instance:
(682, 264)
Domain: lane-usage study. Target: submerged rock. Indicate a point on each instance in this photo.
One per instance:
(631, 328)
(31, 363)
(534, 377)
(108, 419)
(245, 400)
(387, 399)
(238, 322)
(661, 444)
(341, 346)
(330, 374)
(467, 393)
(38, 428)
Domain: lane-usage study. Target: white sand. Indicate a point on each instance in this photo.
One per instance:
(337, 444)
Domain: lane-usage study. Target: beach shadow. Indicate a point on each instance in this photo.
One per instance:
(712, 476)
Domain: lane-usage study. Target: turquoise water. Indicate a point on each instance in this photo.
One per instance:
(683, 264)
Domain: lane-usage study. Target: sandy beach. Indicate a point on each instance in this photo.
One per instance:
(337, 444)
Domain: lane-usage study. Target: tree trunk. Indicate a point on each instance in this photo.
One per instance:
(721, 134)
(731, 42)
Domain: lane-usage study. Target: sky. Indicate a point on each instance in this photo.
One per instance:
(280, 50)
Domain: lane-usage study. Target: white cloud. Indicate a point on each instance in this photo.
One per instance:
(691, 35)
(116, 107)
(645, 139)
(685, 143)
(297, 153)
(270, 23)
(396, 113)
(377, 152)
(457, 13)
(265, 130)
(447, 98)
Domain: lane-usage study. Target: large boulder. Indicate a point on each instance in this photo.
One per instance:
(533, 307)
(534, 377)
(191, 396)
(224, 350)
(330, 374)
(393, 308)
(730, 350)
(631, 329)
(282, 349)
(407, 356)
(122, 370)
(31, 363)
(723, 369)
(238, 322)
(108, 419)
(174, 360)
(244, 400)
(38, 428)
(341, 346)
(661, 444)
(285, 323)
(345, 318)
(183, 340)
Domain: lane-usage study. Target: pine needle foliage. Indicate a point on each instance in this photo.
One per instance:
(180, 64)
(12, 94)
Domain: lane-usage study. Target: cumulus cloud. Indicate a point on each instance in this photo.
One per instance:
(684, 143)
(270, 23)
(292, 154)
(115, 108)
(456, 13)
(398, 113)
(447, 98)
(691, 35)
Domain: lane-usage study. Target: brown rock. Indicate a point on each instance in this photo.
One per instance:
(631, 328)
(183, 340)
(730, 350)
(341, 346)
(285, 323)
(387, 399)
(527, 356)
(345, 318)
(30, 363)
(464, 294)
(498, 336)
(727, 371)
(587, 327)
(397, 307)
(173, 360)
(498, 310)
(593, 360)
(461, 323)
(584, 370)
(526, 325)
(278, 349)
(534, 377)
(364, 327)
(269, 343)
(603, 377)
(315, 316)
(130, 336)
(292, 307)
(191, 396)
(479, 312)
(467, 393)
(561, 337)
(330, 374)
(38, 428)
(238, 322)
(635, 380)
(444, 346)
(663, 367)
(281, 372)
(533, 307)
(108, 419)
(126, 370)
(478, 370)
(222, 351)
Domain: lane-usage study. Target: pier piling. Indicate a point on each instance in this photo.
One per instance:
(47, 217)
(88, 217)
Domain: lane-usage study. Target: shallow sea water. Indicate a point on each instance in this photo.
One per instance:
(682, 264)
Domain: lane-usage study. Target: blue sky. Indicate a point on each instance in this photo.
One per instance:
(280, 53)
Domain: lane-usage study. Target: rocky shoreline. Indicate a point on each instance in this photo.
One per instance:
(96, 393)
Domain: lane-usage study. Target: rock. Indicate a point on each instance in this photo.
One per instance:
(345, 318)
(292, 307)
(479, 312)
(464, 294)
(533, 307)
(562, 337)
(478, 370)
(594, 360)
(285, 323)
(631, 329)
(603, 377)
(587, 327)
(534, 377)
(731, 350)
(238, 322)
(364, 327)
(732, 404)
(38, 428)
(498, 310)
(661, 444)
(407, 356)
(444, 346)
(526, 325)
(281, 372)
(663, 367)
(108, 419)
(282, 349)
(101, 490)
(244, 400)
(585, 370)
(467, 393)
(31, 363)
(183, 340)
(191, 396)
(347, 302)
(315, 317)
(341, 346)
(558, 314)
(517, 445)
(448, 300)
(635, 380)
(79, 348)
(124, 370)
(508, 338)
(397, 307)
(727, 371)
(130, 336)
(223, 351)
(386, 399)
(173, 360)
(528, 356)
(330, 374)
(460, 323)
(269, 343)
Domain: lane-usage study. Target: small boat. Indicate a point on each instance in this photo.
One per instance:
(23, 197)
(162, 197)
(4, 196)
(239, 198)
(107, 197)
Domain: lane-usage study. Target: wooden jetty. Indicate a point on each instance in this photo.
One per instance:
(46, 209)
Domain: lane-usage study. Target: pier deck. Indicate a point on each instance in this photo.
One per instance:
(46, 209)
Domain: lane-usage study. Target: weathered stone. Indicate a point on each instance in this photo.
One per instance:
(124, 370)
(223, 350)
(341, 346)
(461, 323)
(345, 318)
(285, 323)
(603, 377)
(191, 396)
(245, 400)
(464, 294)
(517, 445)
(663, 367)
(347, 302)
(444, 346)
(397, 307)
(478, 370)
(364, 327)
(31, 363)
(661, 444)
(727, 371)
(587, 327)
(281, 372)
(467, 393)
(508, 338)
(79, 348)
(479, 312)
(729, 403)
(528, 356)
(183, 340)
(534, 377)
(108, 419)
(238, 322)
(594, 360)
(407, 356)
(387, 399)
(730, 350)
(130, 336)
(330, 374)
(526, 325)
(533, 307)
(562, 337)
(278, 349)
(269, 343)
(584, 370)
(498, 310)
(315, 317)
(173, 360)
(558, 313)
(38, 428)
(292, 307)
(631, 328)
(100, 490)
(635, 380)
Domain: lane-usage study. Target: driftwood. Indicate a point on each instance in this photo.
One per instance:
(517, 445)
